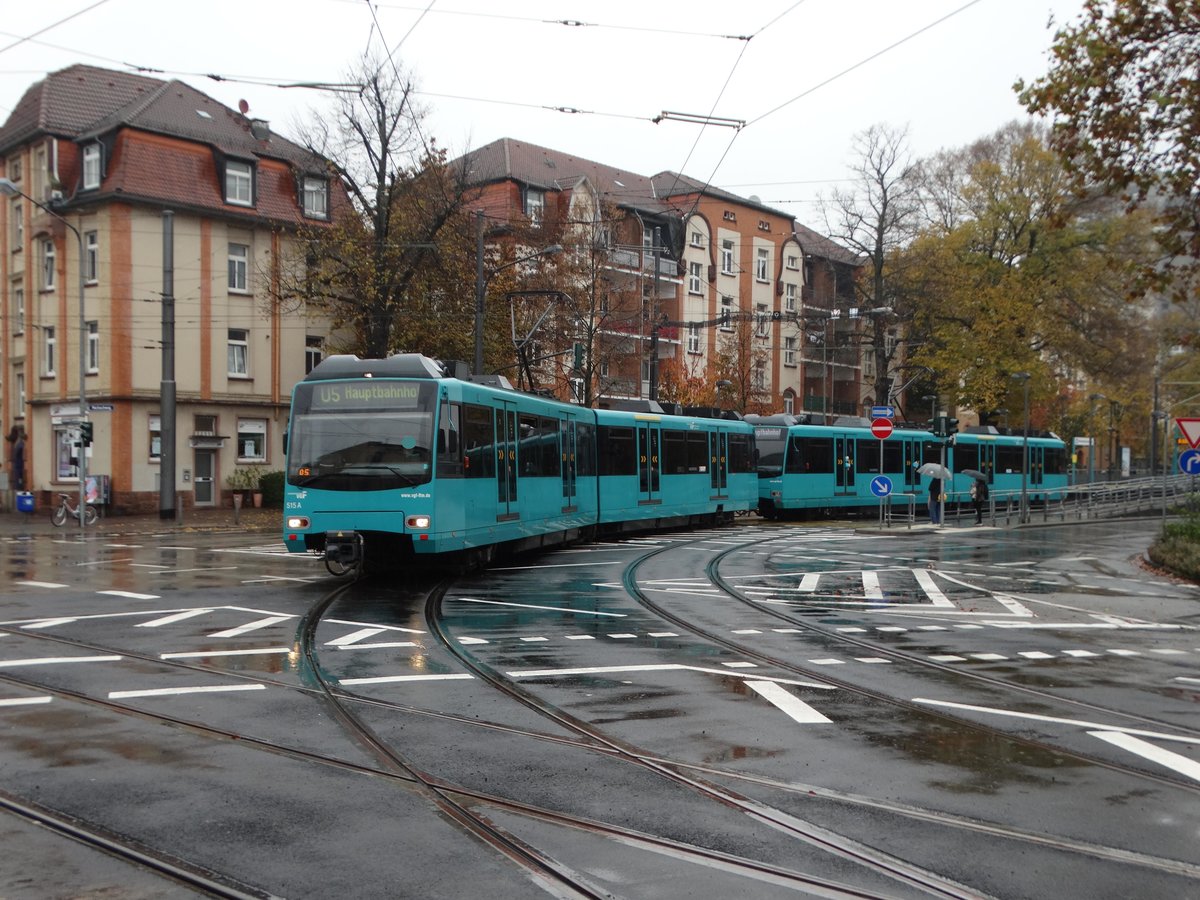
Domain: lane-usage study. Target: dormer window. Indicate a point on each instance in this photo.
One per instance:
(239, 183)
(91, 167)
(315, 198)
(535, 206)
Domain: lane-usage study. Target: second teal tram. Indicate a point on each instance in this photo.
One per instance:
(807, 468)
(395, 459)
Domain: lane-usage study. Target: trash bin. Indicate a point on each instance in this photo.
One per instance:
(24, 501)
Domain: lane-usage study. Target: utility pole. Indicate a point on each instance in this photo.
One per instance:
(166, 470)
(653, 392)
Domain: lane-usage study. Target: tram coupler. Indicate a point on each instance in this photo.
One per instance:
(344, 548)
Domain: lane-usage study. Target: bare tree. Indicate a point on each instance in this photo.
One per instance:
(876, 217)
(374, 267)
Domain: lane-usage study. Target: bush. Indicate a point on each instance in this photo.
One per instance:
(271, 484)
(1178, 550)
(243, 478)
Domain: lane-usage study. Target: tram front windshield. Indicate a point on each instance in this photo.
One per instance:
(361, 435)
(770, 443)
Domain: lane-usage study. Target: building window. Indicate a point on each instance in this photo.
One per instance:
(239, 265)
(238, 351)
(535, 206)
(764, 320)
(14, 169)
(729, 216)
(793, 263)
(49, 345)
(726, 257)
(693, 338)
(91, 167)
(155, 429)
(764, 225)
(314, 350)
(726, 311)
(18, 295)
(91, 256)
(789, 403)
(20, 410)
(252, 440)
(93, 347)
(18, 225)
(789, 297)
(48, 265)
(316, 198)
(789, 351)
(694, 284)
(239, 183)
(760, 377)
(761, 265)
(697, 239)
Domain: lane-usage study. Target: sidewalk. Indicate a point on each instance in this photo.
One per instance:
(211, 519)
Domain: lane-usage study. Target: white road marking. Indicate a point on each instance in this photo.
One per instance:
(651, 667)
(471, 641)
(1179, 763)
(932, 591)
(948, 657)
(624, 636)
(534, 640)
(371, 625)
(130, 594)
(662, 634)
(381, 645)
(388, 679)
(354, 637)
(1035, 654)
(828, 662)
(1080, 653)
(1188, 680)
(790, 704)
(169, 692)
(54, 660)
(564, 609)
(988, 657)
(872, 659)
(740, 665)
(871, 588)
(557, 566)
(581, 637)
(25, 701)
(48, 623)
(1035, 717)
(42, 584)
(250, 626)
(199, 654)
(171, 620)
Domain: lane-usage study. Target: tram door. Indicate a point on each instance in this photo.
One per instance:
(507, 439)
(912, 461)
(649, 462)
(843, 465)
(718, 462)
(567, 442)
(987, 461)
(1037, 465)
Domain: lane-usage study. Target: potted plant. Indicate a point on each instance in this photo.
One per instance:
(242, 481)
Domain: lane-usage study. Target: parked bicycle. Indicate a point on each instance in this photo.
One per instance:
(65, 509)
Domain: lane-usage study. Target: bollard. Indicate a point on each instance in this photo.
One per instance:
(237, 508)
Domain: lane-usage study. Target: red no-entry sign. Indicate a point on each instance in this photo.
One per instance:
(881, 428)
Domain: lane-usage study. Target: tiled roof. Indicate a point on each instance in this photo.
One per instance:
(816, 244)
(87, 101)
(670, 184)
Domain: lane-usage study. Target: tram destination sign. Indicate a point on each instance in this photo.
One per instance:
(365, 395)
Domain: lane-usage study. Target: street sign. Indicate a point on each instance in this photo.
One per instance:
(100, 407)
(881, 486)
(1189, 462)
(1191, 431)
(881, 428)
(883, 412)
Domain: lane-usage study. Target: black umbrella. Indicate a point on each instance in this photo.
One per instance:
(974, 473)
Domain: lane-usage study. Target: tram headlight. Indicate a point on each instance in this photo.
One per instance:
(418, 522)
(298, 523)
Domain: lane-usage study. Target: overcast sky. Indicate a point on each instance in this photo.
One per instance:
(489, 70)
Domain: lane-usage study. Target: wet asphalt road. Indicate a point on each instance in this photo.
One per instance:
(969, 712)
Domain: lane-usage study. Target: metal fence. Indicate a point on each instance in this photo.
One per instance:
(1095, 501)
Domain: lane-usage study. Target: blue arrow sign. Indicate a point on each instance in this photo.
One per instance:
(1189, 462)
(883, 412)
(881, 485)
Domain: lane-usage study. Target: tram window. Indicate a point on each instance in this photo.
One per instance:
(674, 452)
(867, 457)
(585, 450)
(1010, 460)
(550, 457)
(479, 458)
(893, 456)
(617, 452)
(1056, 461)
(449, 448)
(740, 457)
(810, 456)
(697, 450)
(966, 456)
(931, 451)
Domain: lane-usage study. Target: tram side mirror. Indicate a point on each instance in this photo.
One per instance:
(448, 442)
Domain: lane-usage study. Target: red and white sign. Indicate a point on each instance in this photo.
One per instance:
(1191, 431)
(882, 428)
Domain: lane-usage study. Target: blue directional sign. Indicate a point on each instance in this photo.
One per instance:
(1189, 462)
(881, 485)
(883, 412)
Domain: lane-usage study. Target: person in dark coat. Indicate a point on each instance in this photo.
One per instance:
(17, 436)
(979, 496)
(935, 501)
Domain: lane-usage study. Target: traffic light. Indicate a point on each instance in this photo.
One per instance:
(949, 426)
(85, 433)
(578, 366)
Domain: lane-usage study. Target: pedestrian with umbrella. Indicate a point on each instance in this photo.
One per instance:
(979, 492)
(938, 473)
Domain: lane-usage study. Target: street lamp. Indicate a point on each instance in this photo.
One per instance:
(723, 385)
(1023, 515)
(481, 283)
(933, 399)
(8, 189)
